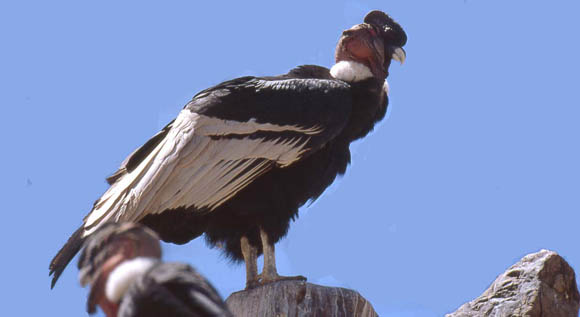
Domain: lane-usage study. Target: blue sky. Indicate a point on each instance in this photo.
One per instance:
(475, 165)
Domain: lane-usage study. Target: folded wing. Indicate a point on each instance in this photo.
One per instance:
(224, 139)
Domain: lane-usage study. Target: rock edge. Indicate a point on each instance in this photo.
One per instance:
(541, 284)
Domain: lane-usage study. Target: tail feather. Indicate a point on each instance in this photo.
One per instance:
(65, 255)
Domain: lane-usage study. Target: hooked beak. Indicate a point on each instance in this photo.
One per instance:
(399, 55)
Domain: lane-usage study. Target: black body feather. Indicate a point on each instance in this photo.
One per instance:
(172, 289)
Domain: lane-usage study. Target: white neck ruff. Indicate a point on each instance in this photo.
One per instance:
(124, 275)
(350, 71)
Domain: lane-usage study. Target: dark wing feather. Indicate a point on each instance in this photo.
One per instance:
(300, 102)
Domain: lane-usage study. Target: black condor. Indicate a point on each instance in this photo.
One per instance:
(243, 156)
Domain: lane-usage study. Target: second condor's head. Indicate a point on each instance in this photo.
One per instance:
(372, 44)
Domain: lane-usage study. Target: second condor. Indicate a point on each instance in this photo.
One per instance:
(243, 156)
(122, 264)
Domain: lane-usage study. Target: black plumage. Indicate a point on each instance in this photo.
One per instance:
(273, 199)
(243, 156)
(172, 289)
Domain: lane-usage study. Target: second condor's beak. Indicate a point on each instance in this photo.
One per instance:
(399, 55)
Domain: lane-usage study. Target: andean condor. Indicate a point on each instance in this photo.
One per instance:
(121, 262)
(243, 156)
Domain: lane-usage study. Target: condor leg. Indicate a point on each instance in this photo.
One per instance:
(250, 254)
(269, 273)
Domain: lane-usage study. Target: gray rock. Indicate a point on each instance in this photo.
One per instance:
(296, 298)
(540, 284)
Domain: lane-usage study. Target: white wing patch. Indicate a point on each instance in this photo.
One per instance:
(216, 127)
(196, 164)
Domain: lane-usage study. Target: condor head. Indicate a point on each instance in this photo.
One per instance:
(373, 44)
(106, 249)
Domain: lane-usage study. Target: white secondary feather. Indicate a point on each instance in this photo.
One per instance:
(189, 168)
(124, 275)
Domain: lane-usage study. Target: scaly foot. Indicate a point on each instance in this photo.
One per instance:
(270, 278)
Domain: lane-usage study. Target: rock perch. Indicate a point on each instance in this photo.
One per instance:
(296, 298)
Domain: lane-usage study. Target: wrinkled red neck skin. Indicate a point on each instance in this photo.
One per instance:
(109, 308)
(362, 45)
(97, 295)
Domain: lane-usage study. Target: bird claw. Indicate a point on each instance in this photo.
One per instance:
(261, 280)
(275, 278)
(284, 278)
